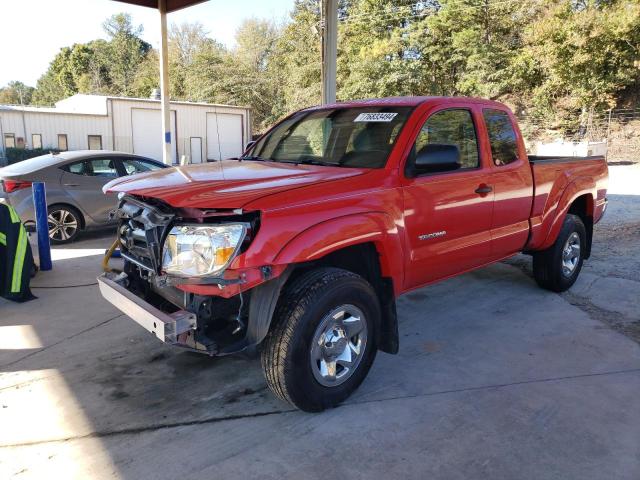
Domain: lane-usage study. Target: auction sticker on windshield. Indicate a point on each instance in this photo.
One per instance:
(375, 117)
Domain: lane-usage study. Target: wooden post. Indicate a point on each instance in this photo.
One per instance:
(164, 85)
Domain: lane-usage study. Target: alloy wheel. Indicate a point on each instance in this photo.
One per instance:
(63, 225)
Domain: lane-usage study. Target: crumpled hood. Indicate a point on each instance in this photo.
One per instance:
(227, 184)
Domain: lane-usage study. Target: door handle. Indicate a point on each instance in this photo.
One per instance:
(71, 185)
(484, 189)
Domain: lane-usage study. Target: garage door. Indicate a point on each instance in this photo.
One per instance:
(147, 133)
(224, 135)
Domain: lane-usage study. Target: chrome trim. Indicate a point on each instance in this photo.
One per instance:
(428, 236)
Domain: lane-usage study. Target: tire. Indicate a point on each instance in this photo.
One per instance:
(551, 267)
(310, 305)
(65, 223)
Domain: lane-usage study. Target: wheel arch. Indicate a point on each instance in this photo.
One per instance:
(577, 199)
(363, 259)
(324, 238)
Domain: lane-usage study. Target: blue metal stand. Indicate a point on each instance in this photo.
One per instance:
(42, 226)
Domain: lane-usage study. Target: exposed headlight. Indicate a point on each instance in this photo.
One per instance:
(201, 250)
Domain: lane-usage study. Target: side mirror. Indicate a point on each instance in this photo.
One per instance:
(249, 145)
(437, 157)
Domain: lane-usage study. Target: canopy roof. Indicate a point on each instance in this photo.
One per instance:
(172, 5)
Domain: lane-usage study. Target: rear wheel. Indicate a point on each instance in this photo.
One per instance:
(322, 344)
(64, 223)
(558, 267)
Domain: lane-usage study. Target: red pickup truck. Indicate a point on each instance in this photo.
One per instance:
(302, 245)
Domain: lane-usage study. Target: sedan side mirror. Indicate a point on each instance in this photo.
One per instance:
(437, 157)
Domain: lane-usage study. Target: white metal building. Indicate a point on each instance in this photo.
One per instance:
(200, 131)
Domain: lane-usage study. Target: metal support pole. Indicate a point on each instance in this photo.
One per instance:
(42, 225)
(164, 85)
(329, 50)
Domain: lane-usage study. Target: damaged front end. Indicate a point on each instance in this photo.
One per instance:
(177, 282)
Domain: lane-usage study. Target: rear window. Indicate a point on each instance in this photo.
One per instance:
(502, 137)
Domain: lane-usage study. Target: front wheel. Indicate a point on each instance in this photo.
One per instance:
(557, 268)
(322, 343)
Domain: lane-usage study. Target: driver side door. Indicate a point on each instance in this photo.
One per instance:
(447, 214)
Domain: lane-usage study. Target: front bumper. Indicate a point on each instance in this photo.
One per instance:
(176, 328)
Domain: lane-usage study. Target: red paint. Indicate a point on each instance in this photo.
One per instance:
(308, 211)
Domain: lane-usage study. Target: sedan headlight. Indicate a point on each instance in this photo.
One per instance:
(201, 250)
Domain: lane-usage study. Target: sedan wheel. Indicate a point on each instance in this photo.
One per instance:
(63, 224)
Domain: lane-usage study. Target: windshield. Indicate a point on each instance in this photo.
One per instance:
(344, 137)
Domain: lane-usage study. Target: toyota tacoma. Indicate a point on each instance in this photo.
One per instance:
(300, 246)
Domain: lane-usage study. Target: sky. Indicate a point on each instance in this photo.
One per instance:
(32, 31)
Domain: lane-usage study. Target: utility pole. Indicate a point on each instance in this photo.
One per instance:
(24, 121)
(165, 106)
(329, 16)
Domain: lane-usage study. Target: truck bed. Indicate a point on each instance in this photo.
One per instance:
(556, 181)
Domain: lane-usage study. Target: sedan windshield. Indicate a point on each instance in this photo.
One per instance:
(344, 137)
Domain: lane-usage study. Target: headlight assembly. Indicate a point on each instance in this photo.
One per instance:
(201, 250)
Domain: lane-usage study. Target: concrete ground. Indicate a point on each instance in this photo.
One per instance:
(495, 379)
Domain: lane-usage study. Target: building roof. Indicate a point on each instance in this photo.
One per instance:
(84, 104)
(33, 108)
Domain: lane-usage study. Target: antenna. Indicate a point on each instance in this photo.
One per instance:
(219, 149)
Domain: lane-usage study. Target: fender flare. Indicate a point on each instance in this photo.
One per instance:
(326, 237)
(580, 186)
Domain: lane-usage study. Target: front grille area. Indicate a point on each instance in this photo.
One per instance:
(142, 228)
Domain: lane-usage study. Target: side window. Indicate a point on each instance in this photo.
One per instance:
(132, 166)
(9, 140)
(62, 142)
(103, 167)
(451, 127)
(78, 168)
(36, 141)
(502, 137)
(99, 167)
(94, 142)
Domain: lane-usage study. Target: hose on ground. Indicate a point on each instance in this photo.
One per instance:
(107, 257)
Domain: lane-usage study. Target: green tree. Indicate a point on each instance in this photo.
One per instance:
(99, 66)
(16, 93)
(296, 61)
(377, 57)
(127, 51)
(580, 56)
